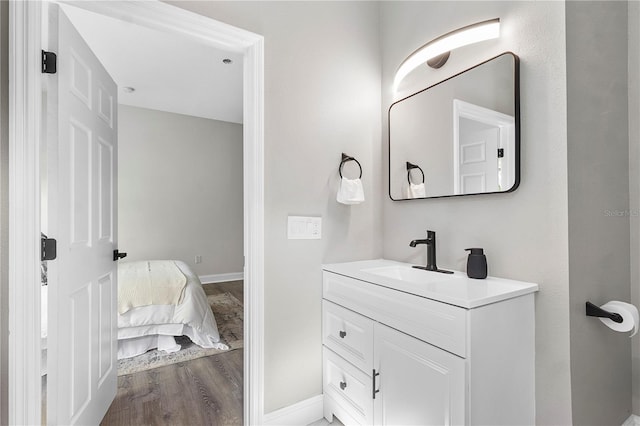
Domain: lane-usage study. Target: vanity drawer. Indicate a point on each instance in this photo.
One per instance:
(437, 323)
(348, 334)
(348, 387)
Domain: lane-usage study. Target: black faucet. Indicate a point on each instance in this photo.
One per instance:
(430, 241)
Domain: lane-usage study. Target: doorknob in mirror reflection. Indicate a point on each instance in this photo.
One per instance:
(117, 255)
(436, 52)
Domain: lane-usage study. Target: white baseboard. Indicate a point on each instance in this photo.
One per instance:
(221, 278)
(633, 420)
(299, 414)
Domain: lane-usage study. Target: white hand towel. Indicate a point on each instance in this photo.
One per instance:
(350, 192)
(416, 190)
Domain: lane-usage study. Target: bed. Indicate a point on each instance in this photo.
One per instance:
(143, 328)
(154, 325)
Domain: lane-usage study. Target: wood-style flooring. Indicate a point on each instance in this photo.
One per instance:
(203, 391)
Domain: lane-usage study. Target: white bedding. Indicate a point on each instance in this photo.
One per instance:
(149, 282)
(147, 327)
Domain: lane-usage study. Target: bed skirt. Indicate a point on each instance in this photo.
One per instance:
(134, 341)
(128, 348)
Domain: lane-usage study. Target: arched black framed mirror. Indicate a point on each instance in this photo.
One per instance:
(463, 132)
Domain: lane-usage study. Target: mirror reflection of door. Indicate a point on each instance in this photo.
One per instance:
(422, 128)
(483, 144)
(478, 171)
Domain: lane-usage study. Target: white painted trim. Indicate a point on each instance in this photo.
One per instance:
(633, 420)
(24, 192)
(253, 160)
(167, 18)
(221, 278)
(24, 213)
(299, 414)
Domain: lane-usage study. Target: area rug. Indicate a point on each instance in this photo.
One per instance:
(228, 312)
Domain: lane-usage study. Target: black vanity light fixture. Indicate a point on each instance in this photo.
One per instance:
(436, 52)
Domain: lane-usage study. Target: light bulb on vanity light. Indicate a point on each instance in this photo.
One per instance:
(436, 52)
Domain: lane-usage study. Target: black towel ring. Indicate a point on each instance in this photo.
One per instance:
(346, 158)
(410, 167)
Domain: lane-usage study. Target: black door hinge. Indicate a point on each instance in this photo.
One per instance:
(48, 249)
(500, 152)
(49, 61)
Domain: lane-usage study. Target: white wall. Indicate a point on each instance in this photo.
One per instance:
(322, 98)
(180, 189)
(524, 233)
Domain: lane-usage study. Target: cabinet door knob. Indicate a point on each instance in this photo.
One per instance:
(343, 334)
(343, 385)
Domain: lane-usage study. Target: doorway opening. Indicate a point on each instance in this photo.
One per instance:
(23, 263)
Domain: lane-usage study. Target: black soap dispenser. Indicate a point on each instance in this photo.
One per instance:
(476, 263)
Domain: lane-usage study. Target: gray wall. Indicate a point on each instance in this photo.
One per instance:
(180, 189)
(525, 232)
(322, 98)
(598, 181)
(634, 182)
(4, 210)
(598, 154)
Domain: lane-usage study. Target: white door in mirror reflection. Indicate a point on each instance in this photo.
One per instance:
(478, 171)
(482, 139)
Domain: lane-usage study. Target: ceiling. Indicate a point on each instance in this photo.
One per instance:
(168, 72)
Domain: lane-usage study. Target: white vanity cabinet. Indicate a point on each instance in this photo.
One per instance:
(392, 356)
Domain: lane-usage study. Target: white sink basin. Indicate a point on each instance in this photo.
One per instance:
(455, 289)
(410, 275)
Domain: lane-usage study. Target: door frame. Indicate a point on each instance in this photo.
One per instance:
(25, 109)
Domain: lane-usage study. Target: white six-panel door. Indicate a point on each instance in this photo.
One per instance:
(82, 317)
(478, 158)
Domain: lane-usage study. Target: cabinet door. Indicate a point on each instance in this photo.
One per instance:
(419, 384)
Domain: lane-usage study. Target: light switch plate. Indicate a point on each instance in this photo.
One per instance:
(304, 228)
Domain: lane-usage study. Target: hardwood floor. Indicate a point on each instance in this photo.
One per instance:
(233, 287)
(203, 391)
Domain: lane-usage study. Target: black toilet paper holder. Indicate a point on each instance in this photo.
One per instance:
(596, 311)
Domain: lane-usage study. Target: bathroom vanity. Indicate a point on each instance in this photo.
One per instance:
(403, 346)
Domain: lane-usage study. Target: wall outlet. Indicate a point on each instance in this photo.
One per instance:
(304, 228)
(198, 259)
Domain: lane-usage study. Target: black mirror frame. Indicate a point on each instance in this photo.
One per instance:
(516, 93)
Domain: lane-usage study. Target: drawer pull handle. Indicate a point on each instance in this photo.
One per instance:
(374, 383)
(343, 385)
(342, 334)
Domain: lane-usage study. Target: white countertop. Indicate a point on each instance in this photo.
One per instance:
(455, 289)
